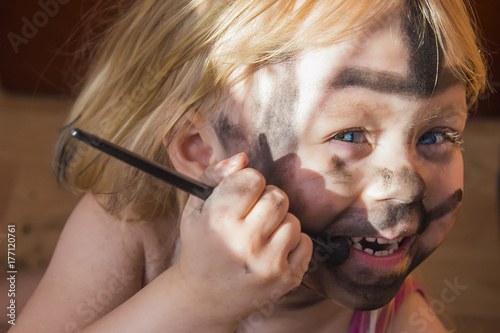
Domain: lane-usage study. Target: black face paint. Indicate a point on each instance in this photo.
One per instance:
(387, 83)
(377, 294)
(333, 250)
(447, 206)
(403, 212)
(230, 135)
(276, 114)
(424, 49)
(405, 185)
(427, 75)
(338, 170)
(441, 210)
(387, 177)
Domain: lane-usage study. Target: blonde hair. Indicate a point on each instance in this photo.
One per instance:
(163, 59)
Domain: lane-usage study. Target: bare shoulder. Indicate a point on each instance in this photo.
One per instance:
(99, 262)
(415, 315)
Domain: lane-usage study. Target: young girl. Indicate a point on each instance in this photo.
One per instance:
(312, 118)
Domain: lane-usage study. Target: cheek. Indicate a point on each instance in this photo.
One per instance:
(317, 193)
(445, 191)
(443, 181)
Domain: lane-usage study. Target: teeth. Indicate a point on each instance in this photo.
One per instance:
(356, 239)
(378, 240)
(393, 245)
(369, 251)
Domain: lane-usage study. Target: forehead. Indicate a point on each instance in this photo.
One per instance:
(387, 58)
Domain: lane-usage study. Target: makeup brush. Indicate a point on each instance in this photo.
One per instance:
(336, 249)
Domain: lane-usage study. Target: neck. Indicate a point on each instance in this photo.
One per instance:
(301, 310)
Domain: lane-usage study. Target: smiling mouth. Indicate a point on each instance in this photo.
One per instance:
(378, 247)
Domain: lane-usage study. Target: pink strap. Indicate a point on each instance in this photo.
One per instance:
(361, 319)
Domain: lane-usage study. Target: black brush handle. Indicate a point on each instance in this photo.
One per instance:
(183, 182)
(336, 248)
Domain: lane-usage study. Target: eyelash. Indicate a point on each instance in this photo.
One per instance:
(448, 134)
(339, 135)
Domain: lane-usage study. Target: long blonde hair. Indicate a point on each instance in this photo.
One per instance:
(165, 58)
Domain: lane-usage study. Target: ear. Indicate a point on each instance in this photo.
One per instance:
(194, 147)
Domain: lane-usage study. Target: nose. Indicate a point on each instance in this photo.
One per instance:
(396, 178)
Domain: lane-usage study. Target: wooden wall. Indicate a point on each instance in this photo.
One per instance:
(40, 37)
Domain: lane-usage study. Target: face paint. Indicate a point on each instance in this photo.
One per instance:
(381, 82)
(378, 292)
(446, 206)
(437, 212)
(275, 115)
(230, 135)
(387, 177)
(426, 76)
(425, 54)
(338, 170)
(389, 83)
(261, 159)
(292, 110)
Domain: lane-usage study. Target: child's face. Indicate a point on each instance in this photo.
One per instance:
(363, 149)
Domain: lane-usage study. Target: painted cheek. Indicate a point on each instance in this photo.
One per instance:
(440, 220)
(344, 178)
(447, 206)
(445, 179)
(338, 171)
(317, 197)
(445, 192)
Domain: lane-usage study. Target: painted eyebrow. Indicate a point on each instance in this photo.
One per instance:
(390, 83)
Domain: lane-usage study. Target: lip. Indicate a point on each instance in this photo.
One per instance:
(394, 261)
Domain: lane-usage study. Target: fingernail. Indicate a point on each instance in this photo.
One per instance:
(234, 160)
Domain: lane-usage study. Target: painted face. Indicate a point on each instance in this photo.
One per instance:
(365, 140)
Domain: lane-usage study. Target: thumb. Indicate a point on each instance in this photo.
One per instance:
(215, 173)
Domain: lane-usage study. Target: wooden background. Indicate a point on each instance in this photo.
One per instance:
(37, 88)
(44, 62)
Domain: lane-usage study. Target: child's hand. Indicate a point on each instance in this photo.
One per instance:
(240, 248)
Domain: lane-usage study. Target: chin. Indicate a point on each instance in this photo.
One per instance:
(359, 289)
(366, 283)
(363, 297)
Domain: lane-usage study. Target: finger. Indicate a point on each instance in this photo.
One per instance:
(215, 173)
(297, 247)
(301, 254)
(300, 257)
(237, 194)
(267, 213)
(286, 236)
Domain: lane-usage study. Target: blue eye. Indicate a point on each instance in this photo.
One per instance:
(351, 135)
(440, 136)
(428, 139)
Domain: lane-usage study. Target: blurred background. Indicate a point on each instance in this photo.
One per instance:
(41, 63)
